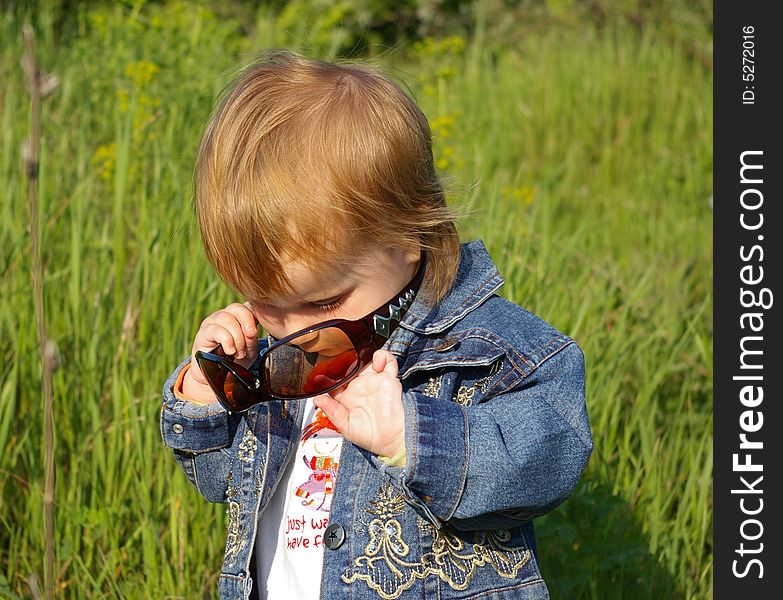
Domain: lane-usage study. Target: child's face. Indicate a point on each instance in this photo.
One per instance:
(348, 291)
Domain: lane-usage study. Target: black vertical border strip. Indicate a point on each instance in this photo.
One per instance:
(738, 128)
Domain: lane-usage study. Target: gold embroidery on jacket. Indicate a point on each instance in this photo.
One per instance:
(387, 503)
(432, 388)
(234, 543)
(247, 447)
(385, 571)
(465, 393)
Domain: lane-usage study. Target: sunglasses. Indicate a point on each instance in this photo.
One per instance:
(314, 360)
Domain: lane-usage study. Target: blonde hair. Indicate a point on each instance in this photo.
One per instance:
(318, 162)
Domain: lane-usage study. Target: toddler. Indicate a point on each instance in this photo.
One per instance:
(399, 426)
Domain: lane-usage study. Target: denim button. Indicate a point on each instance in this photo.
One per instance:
(334, 536)
(177, 428)
(447, 344)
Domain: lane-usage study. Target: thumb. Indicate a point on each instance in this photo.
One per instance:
(195, 371)
(384, 361)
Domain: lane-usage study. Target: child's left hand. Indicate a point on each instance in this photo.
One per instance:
(368, 411)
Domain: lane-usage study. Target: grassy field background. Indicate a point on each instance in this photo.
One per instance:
(584, 149)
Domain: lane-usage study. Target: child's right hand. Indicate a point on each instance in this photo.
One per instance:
(235, 329)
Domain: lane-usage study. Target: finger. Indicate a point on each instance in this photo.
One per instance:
(212, 334)
(245, 318)
(248, 323)
(226, 319)
(251, 329)
(337, 413)
(384, 361)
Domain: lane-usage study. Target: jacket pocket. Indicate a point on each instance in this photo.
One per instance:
(473, 564)
(214, 464)
(451, 352)
(465, 383)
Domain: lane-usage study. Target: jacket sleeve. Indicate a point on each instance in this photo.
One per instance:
(200, 437)
(504, 461)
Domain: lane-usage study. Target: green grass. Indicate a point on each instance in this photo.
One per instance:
(586, 157)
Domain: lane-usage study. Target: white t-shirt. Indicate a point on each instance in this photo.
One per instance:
(289, 544)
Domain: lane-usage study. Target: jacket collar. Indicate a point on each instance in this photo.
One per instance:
(477, 279)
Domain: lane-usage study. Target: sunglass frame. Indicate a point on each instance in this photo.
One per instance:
(367, 333)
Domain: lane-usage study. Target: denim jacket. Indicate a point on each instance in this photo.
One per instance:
(496, 434)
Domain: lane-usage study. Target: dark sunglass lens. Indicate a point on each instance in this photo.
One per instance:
(213, 371)
(238, 396)
(311, 363)
(232, 393)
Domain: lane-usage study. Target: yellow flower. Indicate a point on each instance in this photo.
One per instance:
(528, 195)
(524, 194)
(455, 44)
(145, 100)
(103, 159)
(141, 72)
(441, 126)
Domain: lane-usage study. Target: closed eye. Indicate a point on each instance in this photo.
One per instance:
(330, 306)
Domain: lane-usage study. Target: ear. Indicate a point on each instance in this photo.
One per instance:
(412, 255)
